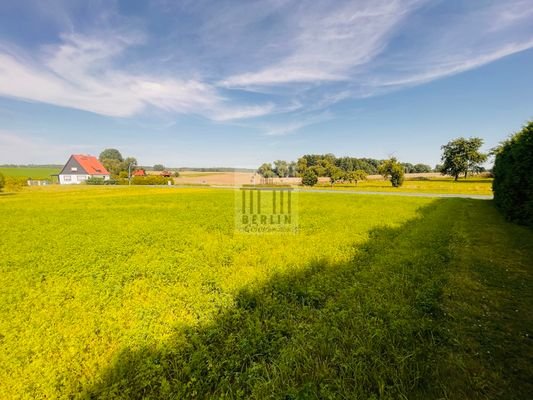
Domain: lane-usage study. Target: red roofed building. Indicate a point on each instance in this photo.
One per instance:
(81, 167)
(139, 172)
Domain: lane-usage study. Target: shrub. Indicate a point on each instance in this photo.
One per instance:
(95, 181)
(394, 171)
(15, 183)
(2, 182)
(513, 176)
(309, 178)
(149, 180)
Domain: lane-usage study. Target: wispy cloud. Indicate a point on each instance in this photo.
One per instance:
(255, 59)
(80, 73)
(329, 41)
(295, 123)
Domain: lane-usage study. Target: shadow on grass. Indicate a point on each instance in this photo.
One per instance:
(370, 328)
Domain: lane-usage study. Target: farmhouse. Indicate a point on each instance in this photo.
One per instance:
(81, 167)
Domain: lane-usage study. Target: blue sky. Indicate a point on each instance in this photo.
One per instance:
(237, 83)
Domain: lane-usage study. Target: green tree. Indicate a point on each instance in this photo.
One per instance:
(293, 169)
(421, 168)
(335, 174)
(126, 164)
(265, 170)
(461, 156)
(513, 176)
(2, 181)
(110, 154)
(309, 178)
(113, 166)
(355, 176)
(159, 167)
(394, 171)
(281, 168)
(301, 166)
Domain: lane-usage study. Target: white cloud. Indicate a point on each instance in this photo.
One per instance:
(79, 73)
(295, 124)
(329, 41)
(307, 54)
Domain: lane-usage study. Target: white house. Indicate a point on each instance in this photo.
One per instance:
(80, 167)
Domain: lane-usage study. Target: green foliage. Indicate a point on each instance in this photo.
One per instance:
(266, 171)
(112, 160)
(15, 183)
(2, 181)
(513, 176)
(176, 174)
(355, 176)
(281, 168)
(110, 154)
(159, 167)
(394, 171)
(461, 156)
(309, 178)
(150, 180)
(421, 168)
(95, 181)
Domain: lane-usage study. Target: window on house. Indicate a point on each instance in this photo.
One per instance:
(74, 169)
(67, 178)
(81, 178)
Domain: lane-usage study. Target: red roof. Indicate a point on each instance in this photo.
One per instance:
(90, 164)
(139, 172)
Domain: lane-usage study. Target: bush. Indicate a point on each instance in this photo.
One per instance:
(15, 183)
(309, 178)
(95, 181)
(149, 180)
(394, 171)
(2, 182)
(513, 176)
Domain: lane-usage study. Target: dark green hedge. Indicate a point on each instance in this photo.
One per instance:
(513, 177)
(150, 180)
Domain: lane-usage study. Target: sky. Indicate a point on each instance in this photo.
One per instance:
(236, 83)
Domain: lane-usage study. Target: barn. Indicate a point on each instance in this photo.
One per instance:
(81, 167)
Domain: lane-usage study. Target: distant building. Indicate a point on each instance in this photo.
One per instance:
(80, 167)
(139, 172)
(166, 174)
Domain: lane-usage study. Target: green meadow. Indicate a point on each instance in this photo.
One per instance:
(150, 292)
(29, 172)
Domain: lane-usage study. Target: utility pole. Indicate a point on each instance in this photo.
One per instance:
(129, 173)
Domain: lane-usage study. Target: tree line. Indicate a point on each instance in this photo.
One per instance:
(460, 157)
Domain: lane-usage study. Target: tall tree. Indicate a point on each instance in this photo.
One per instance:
(265, 171)
(110, 154)
(461, 156)
(281, 168)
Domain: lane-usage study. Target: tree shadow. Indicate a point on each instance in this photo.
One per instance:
(369, 328)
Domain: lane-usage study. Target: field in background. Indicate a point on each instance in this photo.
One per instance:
(421, 183)
(133, 292)
(29, 172)
(474, 186)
